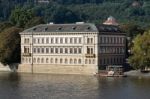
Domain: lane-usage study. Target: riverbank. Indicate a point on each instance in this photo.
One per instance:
(136, 73)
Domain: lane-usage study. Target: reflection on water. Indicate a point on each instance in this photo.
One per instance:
(41, 86)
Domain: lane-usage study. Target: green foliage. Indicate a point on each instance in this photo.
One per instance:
(34, 21)
(10, 46)
(141, 51)
(68, 11)
(20, 16)
(4, 25)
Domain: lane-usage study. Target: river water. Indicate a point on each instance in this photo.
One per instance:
(42, 86)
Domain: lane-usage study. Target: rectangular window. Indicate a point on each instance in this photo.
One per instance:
(26, 41)
(75, 40)
(61, 40)
(75, 50)
(47, 50)
(38, 40)
(80, 41)
(79, 50)
(38, 50)
(42, 40)
(66, 50)
(61, 50)
(34, 40)
(71, 51)
(88, 40)
(56, 50)
(66, 40)
(52, 50)
(71, 40)
(52, 40)
(42, 50)
(26, 49)
(56, 40)
(34, 50)
(91, 41)
(47, 40)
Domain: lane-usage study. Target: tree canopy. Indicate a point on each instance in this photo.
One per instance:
(10, 46)
(140, 57)
(77, 10)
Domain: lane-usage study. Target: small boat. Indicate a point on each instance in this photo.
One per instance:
(115, 71)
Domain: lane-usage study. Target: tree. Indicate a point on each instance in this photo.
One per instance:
(21, 16)
(4, 25)
(34, 21)
(10, 46)
(140, 58)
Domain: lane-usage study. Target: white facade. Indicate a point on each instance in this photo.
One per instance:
(79, 48)
(61, 49)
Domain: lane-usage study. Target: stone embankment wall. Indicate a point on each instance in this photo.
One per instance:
(4, 68)
(56, 69)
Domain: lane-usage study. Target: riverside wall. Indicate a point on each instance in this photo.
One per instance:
(58, 69)
(4, 68)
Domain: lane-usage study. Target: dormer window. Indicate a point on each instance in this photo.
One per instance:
(74, 28)
(60, 28)
(88, 28)
(46, 28)
(34, 29)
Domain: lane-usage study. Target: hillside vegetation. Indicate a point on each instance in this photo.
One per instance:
(68, 11)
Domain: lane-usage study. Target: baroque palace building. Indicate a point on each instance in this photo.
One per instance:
(80, 48)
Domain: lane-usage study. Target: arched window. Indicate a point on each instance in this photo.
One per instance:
(51, 61)
(79, 61)
(38, 60)
(42, 60)
(47, 60)
(34, 60)
(66, 61)
(75, 61)
(71, 61)
(61, 60)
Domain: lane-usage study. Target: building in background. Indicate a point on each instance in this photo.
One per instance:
(112, 46)
(42, 1)
(60, 48)
(111, 21)
(79, 48)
